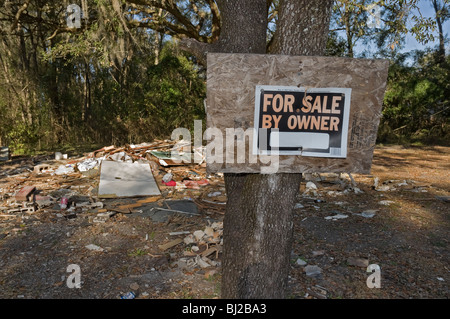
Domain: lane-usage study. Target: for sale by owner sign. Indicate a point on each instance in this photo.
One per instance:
(300, 121)
(300, 114)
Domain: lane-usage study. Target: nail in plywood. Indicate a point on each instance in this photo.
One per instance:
(119, 179)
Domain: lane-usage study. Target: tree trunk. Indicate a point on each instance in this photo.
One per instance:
(258, 224)
(258, 234)
(302, 27)
(257, 230)
(441, 50)
(158, 40)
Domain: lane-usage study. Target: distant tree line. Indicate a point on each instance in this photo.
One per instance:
(134, 70)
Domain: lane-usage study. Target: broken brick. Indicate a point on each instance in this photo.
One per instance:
(25, 193)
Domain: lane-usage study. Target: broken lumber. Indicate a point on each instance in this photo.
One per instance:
(170, 244)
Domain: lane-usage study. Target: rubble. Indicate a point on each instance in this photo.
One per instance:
(95, 248)
(187, 211)
(201, 247)
(4, 154)
(170, 244)
(369, 213)
(300, 262)
(358, 262)
(24, 193)
(64, 169)
(80, 180)
(312, 271)
(336, 217)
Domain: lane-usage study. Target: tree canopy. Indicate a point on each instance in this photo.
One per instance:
(134, 69)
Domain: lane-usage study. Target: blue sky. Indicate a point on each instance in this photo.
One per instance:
(410, 42)
(427, 11)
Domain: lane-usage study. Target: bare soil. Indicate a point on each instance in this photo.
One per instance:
(405, 231)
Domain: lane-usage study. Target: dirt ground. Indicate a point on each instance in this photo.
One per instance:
(396, 218)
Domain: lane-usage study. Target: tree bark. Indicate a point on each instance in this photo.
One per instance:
(302, 27)
(258, 223)
(243, 30)
(441, 50)
(258, 230)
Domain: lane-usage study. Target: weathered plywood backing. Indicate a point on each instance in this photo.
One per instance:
(231, 82)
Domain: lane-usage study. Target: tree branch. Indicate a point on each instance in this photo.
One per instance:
(19, 12)
(216, 20)
(197, 48)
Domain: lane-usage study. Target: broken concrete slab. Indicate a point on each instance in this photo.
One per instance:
(300, 262)
(29, 209)
(312, 270)
(103, 217)
(43, 201)
(198, 234)
(202, 262)
(189, 239)
(119, 179)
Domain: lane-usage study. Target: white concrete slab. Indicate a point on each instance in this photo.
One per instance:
(119, 179)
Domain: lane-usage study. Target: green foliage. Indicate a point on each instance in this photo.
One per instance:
(131, 102)
(416, 104)
(22, 137)
(349, 18)
(336, 45)
(113, 81)
(176, 97)
(149, 102)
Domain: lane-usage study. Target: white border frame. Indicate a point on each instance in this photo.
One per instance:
(344, 137)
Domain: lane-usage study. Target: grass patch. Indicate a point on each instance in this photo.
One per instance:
(137, 252)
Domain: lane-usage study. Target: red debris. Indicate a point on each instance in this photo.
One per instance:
(24, 193)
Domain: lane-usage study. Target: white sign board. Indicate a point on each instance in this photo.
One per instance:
(289, 120)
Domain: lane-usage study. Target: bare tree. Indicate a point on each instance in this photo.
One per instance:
(442, 14)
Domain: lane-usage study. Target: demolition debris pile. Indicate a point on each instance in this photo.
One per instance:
(136, 218)
(110, 180)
